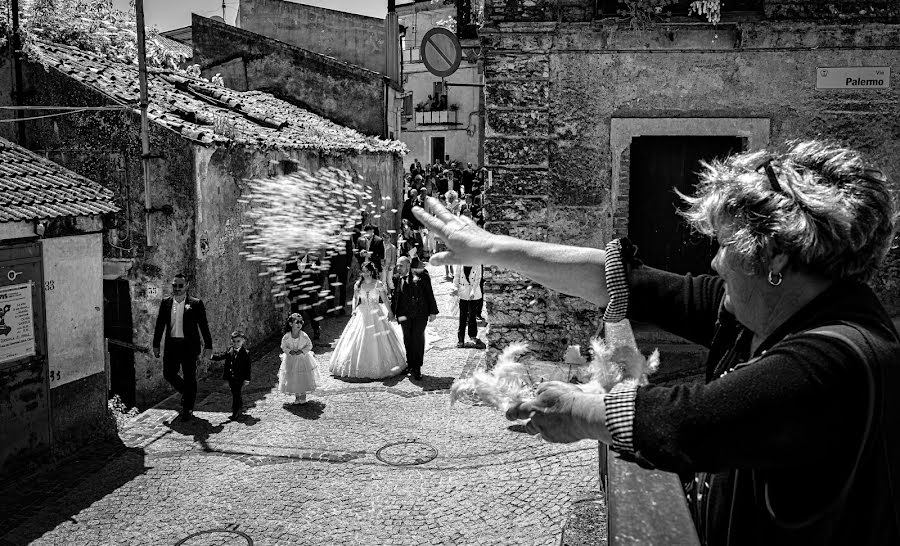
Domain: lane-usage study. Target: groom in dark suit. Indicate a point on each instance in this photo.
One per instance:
(370, 248)
(183, 320)
(414, 307)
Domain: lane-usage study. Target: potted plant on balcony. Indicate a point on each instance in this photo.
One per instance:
(454, 107)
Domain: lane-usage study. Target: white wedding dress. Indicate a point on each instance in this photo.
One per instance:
(369, 346)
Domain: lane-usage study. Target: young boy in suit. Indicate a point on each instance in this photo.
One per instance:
(236, 370)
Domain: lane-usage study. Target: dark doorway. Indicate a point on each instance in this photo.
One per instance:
(437, 149)
(658, 165)
(118, 329)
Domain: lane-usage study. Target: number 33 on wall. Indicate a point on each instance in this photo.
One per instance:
(55, 375)
(48, 286)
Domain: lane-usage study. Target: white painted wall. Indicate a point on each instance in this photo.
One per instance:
(73, 299)
(461, 141)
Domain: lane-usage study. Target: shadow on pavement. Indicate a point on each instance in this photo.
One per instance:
(30, 506)
(432, 383)
(198, 427)
(246, 420)
(311, 410)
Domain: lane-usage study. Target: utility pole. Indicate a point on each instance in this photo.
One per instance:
(17, 71)
(145, 125)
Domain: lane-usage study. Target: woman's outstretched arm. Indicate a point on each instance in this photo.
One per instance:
(571, 270)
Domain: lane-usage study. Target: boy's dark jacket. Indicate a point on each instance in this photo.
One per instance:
(237, 364)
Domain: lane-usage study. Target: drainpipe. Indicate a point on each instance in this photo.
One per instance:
(145, 125)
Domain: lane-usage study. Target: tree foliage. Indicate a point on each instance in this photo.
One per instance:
(89, 25)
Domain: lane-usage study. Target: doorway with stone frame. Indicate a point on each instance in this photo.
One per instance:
(650, 157)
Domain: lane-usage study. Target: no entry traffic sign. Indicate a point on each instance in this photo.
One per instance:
(440, 51)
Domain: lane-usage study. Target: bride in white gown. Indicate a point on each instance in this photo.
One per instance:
(369, 346)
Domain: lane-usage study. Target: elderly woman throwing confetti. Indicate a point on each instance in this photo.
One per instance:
(795, 436)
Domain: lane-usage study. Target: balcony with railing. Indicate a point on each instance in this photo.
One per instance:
(410, 55)
(436, 117)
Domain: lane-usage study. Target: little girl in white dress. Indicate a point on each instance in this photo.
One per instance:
(299, 372)
(369, 347)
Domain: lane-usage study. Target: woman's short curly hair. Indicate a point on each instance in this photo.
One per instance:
(818, 202)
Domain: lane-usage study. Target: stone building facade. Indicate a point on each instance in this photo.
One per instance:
(206, 141)
(590, 123)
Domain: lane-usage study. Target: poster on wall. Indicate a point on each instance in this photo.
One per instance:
(16, 322)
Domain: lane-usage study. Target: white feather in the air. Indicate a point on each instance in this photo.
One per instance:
(506, 384)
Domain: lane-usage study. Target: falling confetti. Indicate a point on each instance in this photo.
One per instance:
(297, 213)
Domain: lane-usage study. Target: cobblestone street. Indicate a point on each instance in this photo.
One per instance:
(365, 462)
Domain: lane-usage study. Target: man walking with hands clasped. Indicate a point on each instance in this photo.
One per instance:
(183, 321)
(414, 307)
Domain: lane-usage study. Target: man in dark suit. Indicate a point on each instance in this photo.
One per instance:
(468, 179)
(183, 321)
(370, 248)
(414, 307)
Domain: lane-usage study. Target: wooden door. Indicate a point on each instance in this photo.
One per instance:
(119, 331)
(437, 149)
(658, 165)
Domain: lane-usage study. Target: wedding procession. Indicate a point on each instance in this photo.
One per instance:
(391, 305)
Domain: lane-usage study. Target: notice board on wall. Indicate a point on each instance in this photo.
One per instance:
(16, 322)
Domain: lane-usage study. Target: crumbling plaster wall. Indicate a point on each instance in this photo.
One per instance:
(236, 291)
(553, 88)
(348, 37)
(348, 95)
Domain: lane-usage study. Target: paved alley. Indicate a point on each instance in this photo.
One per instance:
(365, 462)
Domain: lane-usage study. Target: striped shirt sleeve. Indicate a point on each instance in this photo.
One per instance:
(619, 404)
(616, 283)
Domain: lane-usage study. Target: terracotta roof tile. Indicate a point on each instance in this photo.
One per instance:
(209, 114)
(32, 187)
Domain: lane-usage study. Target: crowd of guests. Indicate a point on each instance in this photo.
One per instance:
(461, 191)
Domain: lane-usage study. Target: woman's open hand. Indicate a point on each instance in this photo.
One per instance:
(467, 244)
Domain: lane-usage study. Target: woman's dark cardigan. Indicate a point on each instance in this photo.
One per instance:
(792, 418)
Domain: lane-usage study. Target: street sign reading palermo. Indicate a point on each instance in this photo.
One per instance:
(440, 51)
(853, 77)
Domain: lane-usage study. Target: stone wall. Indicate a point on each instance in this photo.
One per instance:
(876, 11)
(347, 37)
(553, 90)
(343, 93)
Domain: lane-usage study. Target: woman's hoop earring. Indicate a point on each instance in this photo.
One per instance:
(773, 280)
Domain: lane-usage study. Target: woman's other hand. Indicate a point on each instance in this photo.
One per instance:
(562, 413)
(467, 244)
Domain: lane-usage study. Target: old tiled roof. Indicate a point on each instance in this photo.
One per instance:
(32, 188)
(174, 46)
(210, 114)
